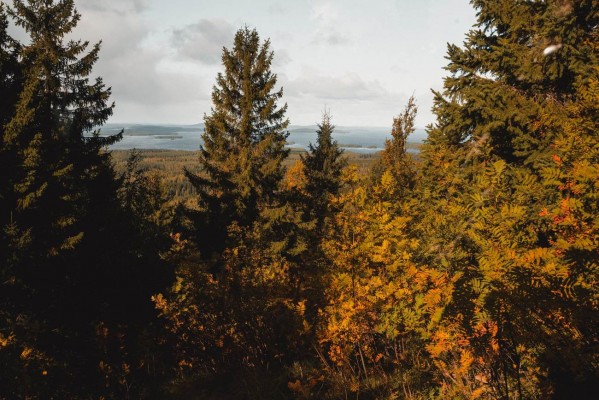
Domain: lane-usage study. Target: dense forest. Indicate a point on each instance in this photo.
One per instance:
(470, 271)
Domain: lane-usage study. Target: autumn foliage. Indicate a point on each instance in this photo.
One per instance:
(470, 271)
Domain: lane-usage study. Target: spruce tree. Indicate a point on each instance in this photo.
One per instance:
(243, 143)
(9, 87)
(9, 70)
(487, 192)
(61, 212)
(56, 110)
(520, 56)
(323, 165)
(241, 288)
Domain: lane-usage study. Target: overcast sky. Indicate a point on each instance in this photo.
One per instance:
(362, 59)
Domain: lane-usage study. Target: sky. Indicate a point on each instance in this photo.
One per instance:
(359, 59)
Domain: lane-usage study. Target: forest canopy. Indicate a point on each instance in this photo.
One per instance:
(469, 271)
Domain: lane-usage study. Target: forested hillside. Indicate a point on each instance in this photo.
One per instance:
(242, 271)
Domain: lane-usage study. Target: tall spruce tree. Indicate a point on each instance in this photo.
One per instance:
(244, 143)
(62, 212)
(9, 70)
(9, 87)
(241, 287)
(55, 110)
(9, 289)
(323, 165)
(486, 195)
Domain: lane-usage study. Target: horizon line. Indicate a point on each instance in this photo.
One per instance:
(201, 123)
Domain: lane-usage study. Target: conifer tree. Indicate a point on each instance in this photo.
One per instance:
(9, 71)
(9, 87)
(486, 190)
(56, 108)
(62, 209)
(243, 143)
(395, 157)
(519, 52)
(238, 286)
(323, 165)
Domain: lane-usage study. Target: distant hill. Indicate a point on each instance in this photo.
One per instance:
(188, 137)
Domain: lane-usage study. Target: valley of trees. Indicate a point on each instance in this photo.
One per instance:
(470, 272)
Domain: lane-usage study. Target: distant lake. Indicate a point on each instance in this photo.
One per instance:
(188, 137)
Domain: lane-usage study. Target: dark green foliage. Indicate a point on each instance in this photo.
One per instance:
(58, 177)
(55, 108)
(143, 198)
(9, 70)
(520, 56)
(74, 298)
(10, 80)
(322, 169)
(244, 143)
(319, 183)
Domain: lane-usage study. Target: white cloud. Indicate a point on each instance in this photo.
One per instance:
(349, 86)
(324, 13)
(326, 16)
(281, 59)
(127, 64)
(137, 76)
(204, 40)
(276, 9)
(121, 6)
(362, 60)
(120, 32)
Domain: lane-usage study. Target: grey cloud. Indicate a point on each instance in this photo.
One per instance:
(281, 58)
(113, 5)
(120, 33)
(331, 38)
(114, 22)
(204, 40)
(327, 15)
(135, 77)
(130, 68)
(276, 8)
(349, 86)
